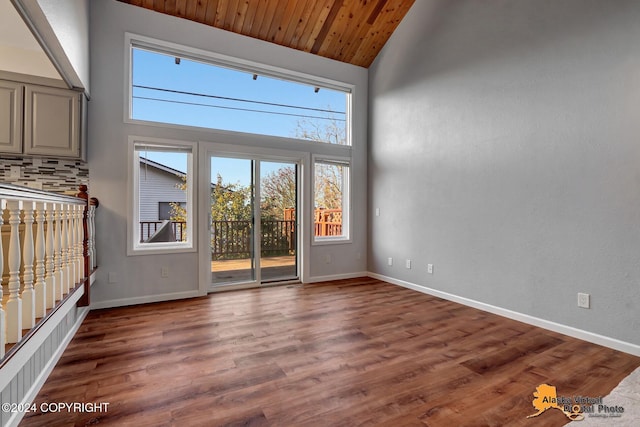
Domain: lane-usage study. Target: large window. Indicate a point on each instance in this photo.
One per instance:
(178, 86)
(161, 170)
(331, 199)
(176, 89)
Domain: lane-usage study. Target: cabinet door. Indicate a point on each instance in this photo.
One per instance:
(51, 122)
(10, 117)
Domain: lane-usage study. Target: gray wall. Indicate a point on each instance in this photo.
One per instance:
(137, 279)
(504, 150)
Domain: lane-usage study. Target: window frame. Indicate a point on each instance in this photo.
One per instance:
(346, 200)
(168, 205)
(134, 246)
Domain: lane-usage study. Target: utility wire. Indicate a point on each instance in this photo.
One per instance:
(237, 99)
(236, 108)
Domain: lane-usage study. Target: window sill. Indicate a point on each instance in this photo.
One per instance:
(160, 248)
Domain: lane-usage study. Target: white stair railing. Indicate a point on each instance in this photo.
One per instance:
(42, 255)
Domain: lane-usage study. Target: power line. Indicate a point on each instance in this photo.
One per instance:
(204, 95)
(237, 108)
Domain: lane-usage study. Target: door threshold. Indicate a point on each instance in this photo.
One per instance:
(252, 285)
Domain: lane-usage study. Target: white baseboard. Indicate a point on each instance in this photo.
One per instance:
(145, 299)
(613, 343)
(316, 279)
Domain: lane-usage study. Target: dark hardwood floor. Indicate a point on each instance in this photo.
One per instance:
(344, 353)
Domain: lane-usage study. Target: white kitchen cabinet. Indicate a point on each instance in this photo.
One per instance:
(51, 122)
(11, 117)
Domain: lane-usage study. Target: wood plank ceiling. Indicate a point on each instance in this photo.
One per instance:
(351, 31)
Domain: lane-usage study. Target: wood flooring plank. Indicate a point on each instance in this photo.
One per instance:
(343, 353)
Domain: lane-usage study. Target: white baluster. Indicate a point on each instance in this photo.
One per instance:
(40, 287)
(71, 281)
(3, 325)
(28, 294)
(79, 233)
(69, 249)
(73, 232)
(50, 275)
(91, 228)
(14, 304)
(93, 236)
(76, 238)
(64, 261)
(57, 250)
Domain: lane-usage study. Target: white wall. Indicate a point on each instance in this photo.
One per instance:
(504, 150)
(69, 20)
(27, 62)
(138, 277)
(63, 29)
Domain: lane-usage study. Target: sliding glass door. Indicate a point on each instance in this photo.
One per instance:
(253, 221)
(278, 221)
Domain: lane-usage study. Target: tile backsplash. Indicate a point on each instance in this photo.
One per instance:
(56, 175)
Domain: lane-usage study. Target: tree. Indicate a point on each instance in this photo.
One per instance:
(328, 131)
(279, 189)
(328, 186)
(230, 202)
(278, 192)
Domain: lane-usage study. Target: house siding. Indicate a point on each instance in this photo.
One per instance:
(157, 186)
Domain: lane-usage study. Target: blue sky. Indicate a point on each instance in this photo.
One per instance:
(198, 94)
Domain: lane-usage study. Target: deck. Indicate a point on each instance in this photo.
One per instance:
(273, 268)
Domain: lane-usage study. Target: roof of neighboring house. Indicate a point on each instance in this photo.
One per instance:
(160, 166)
(164, 168)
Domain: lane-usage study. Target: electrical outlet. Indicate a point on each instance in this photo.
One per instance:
(390, 261)
(113, 277)
(377, 211)
(164, 272)
(584, 300)
(430, 268)
(408, 263)
(327, 258)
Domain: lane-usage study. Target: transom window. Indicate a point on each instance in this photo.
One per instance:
(171, 88)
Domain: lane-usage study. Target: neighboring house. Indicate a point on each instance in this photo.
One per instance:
(159, 188)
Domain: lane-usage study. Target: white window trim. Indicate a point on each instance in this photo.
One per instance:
(346, 201)
(134, 247)
(132, 40)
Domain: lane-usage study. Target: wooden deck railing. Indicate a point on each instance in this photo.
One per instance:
(47, 251)
(148, 228)
(233, 239)
(327, 222)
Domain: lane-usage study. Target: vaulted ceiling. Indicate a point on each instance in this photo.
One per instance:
(351, 31)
